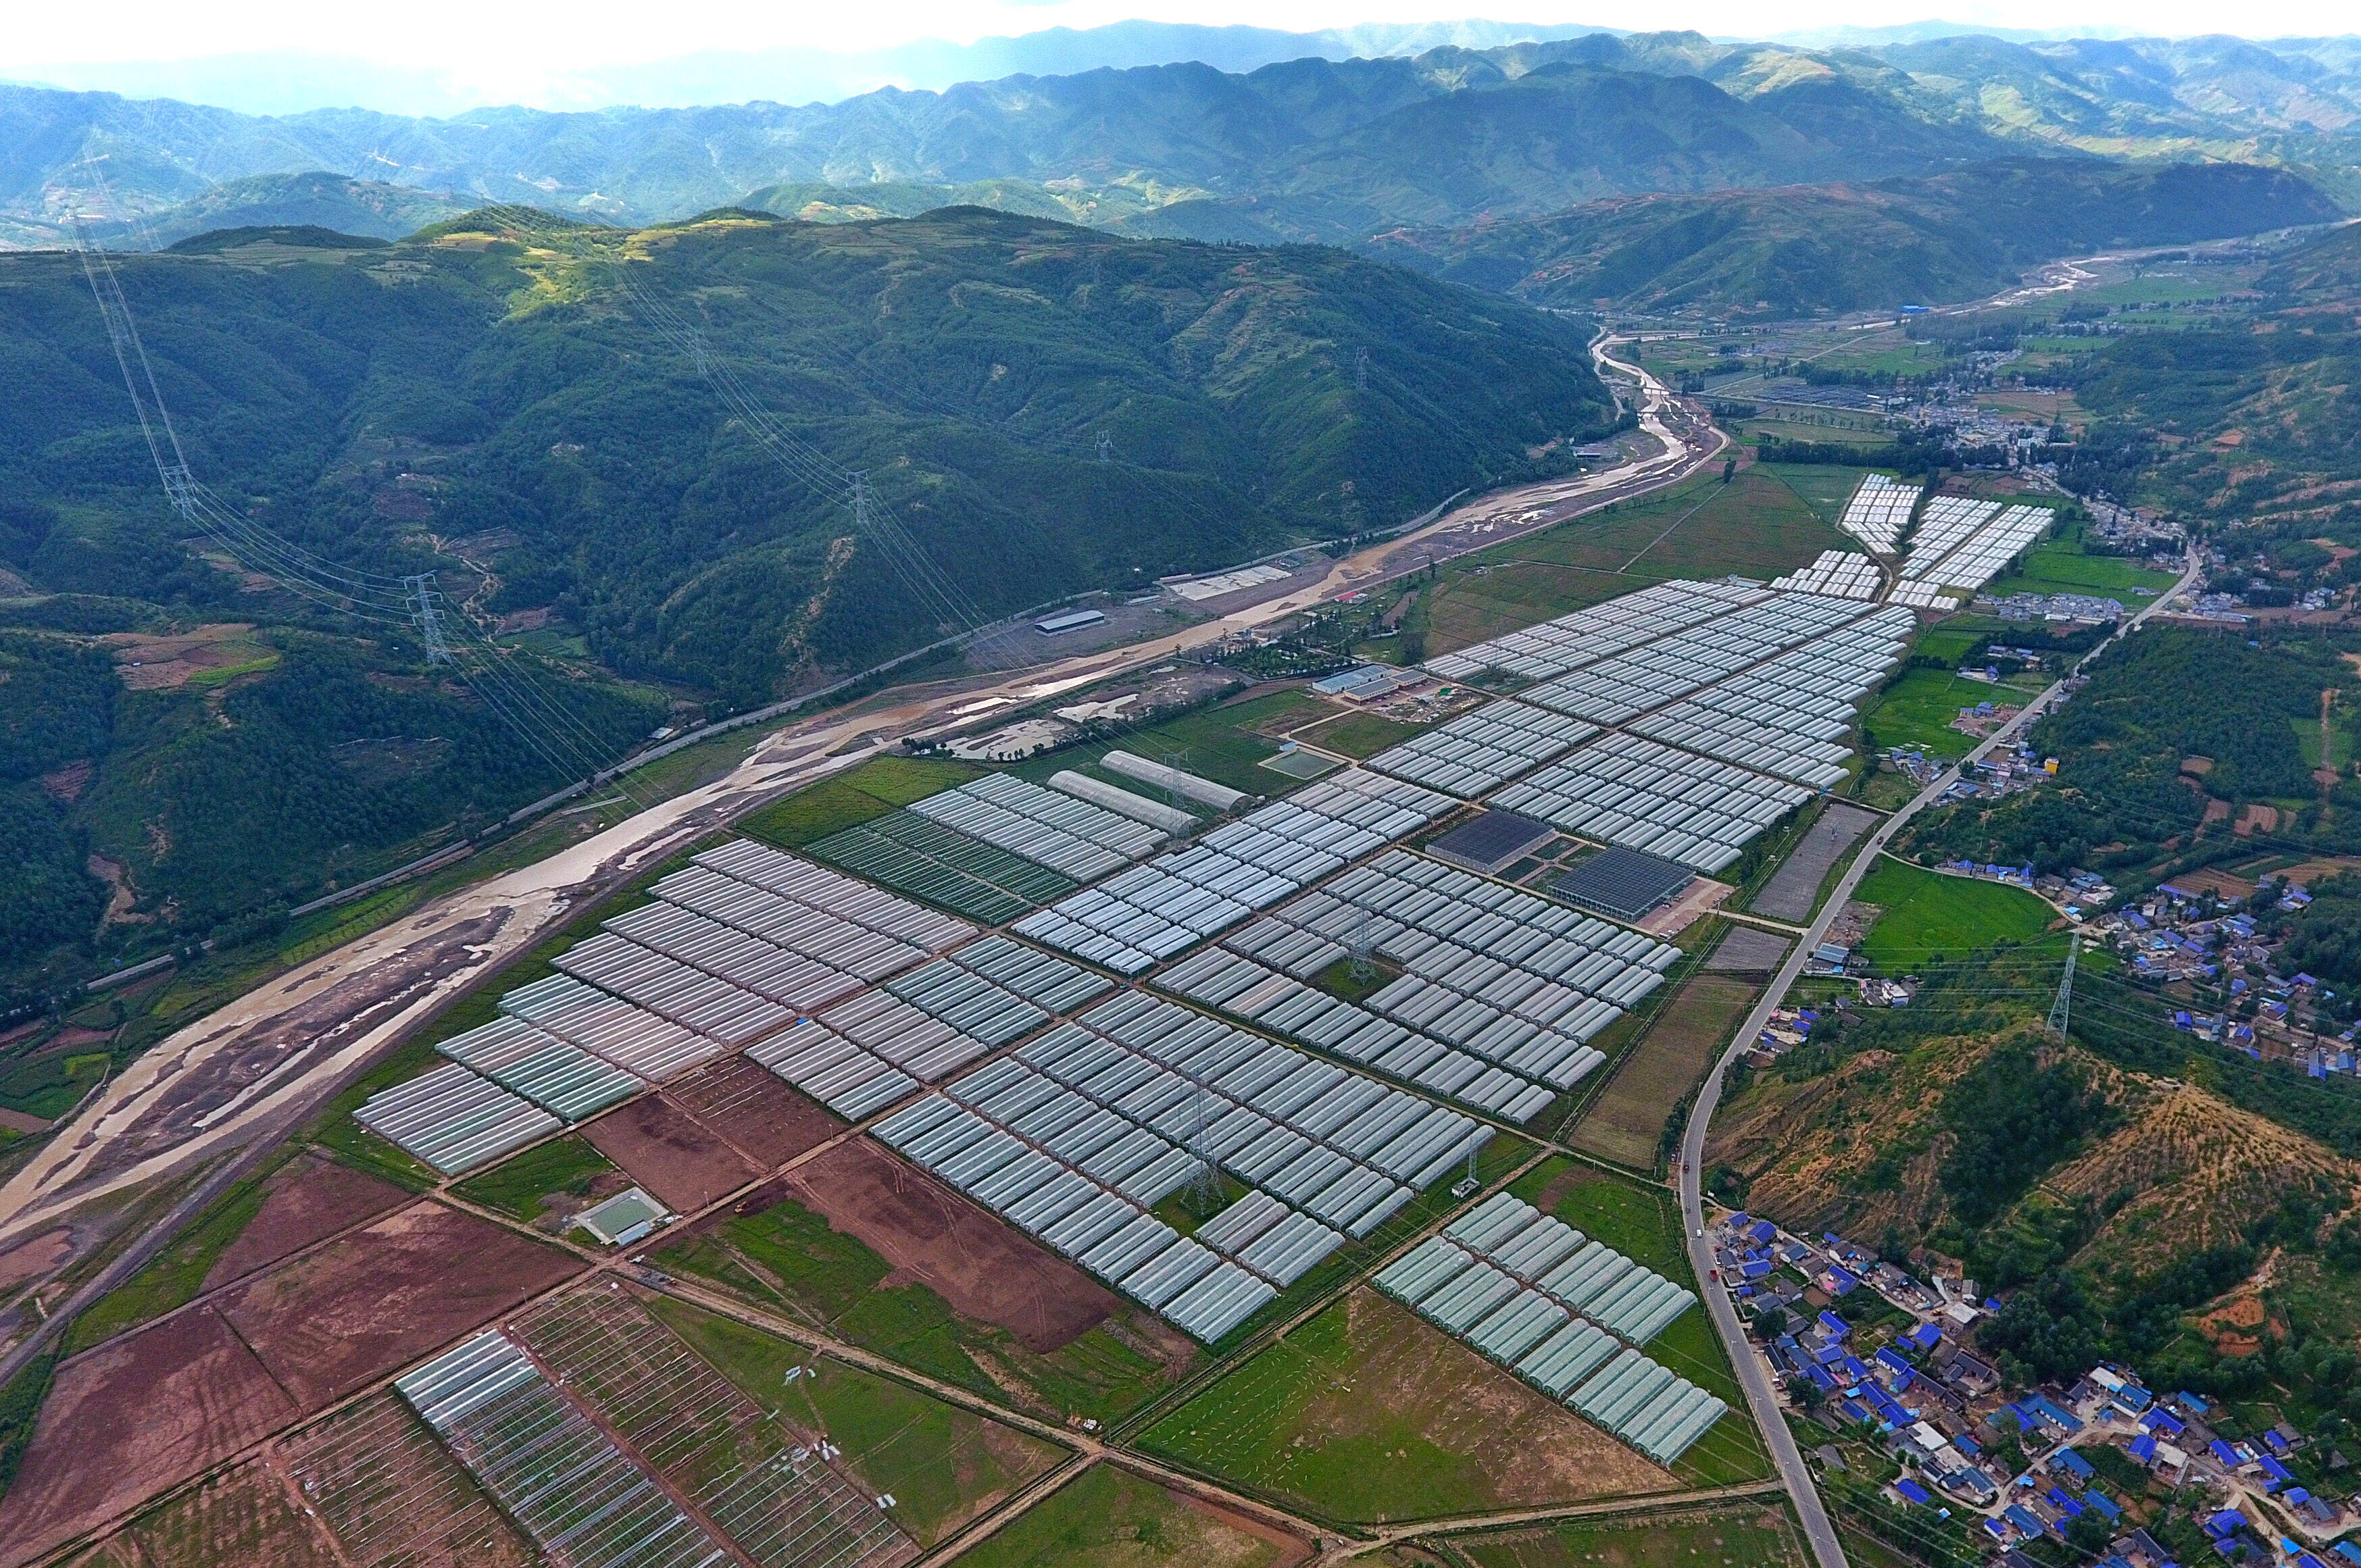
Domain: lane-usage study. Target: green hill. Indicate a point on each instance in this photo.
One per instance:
(486, 401)
(1935, 238)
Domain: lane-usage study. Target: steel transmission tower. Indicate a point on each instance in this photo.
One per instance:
(1361, 370)
(2058, 1009)
(1205, 1179)
(426, 614)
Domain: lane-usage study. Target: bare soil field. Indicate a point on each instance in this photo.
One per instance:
(1626, 1123)
(753, 1111)
(131, 1418)
(243, 1517)
(929, 1234)
(1794, 887)
(393, 1495)
(338, 1319)
(34, 1257)
(666, 1151)
(307, 1200)
(1748, 950)
(2214, 880)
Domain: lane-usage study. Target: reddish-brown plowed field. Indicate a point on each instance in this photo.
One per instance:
(667, 1153)
(369, 1303)
(929, 1234)
(763, 1118)
(308, 1199)
(139, 1414)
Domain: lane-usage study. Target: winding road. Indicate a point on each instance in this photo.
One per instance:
(1753, 1375)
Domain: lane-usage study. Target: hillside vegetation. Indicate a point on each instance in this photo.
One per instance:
(1935, 238)
(2244, 419)
(487, 402)
(2126, 1186)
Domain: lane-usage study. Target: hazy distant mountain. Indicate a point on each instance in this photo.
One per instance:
(1936, 238)
(290, 83)
(1304, 148)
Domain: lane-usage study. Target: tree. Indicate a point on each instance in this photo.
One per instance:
(1729, 469)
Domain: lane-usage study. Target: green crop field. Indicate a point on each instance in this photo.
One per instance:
(944, 1465)
(1109, 1518)
(2061, 567)
(787, 1256)
(869, 790)
(1366, 1413)
(524, 1185)
(1918, 710)
(1742, 1538)
(1930, 915)
(1822, 488)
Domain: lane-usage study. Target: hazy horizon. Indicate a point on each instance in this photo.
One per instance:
(292, 69)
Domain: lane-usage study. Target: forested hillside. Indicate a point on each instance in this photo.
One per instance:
(490, 401)
(2255, 418)
(1933, 238)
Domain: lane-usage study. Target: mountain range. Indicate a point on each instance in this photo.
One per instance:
(1307, 148)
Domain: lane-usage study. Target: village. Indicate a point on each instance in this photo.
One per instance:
(1885, 1364)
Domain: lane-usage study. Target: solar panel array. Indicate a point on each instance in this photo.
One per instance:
(1068, 835)
(1841, 574)
(1500, 993)
(1622, 687)
(1082, 1132)
(1530, 1292)
(1878, 512)
(1628, 790)
(1554, 647)
(1790, 715)
(1480, 750)
(1981, 554)
(1134, 920)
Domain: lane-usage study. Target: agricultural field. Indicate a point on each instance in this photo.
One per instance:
(1737, 1538)
(558, 1175)
(1108, 1517)
(1918, 710)
(942, 1465)
(1625, 1122)
(869, 790)
(1642, 1222)
(1758, 525)
(1366, 1414)
(970, 1302)
(2063, 566)
(1928, 915)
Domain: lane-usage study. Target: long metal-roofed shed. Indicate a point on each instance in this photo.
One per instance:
(1623, 884)
(1067, 621)
(1490, 841)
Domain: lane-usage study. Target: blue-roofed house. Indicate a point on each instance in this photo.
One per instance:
(1911, 1492)
(1839, 1280)
(2163, 1420)
(1762, 1232)
(2275, 1444)
(1894, 1366)
(2348, 1550)
(1925, 1337)
(2225, 1455)
(2105, 1504)
(2277, 1475)
(2073, 1464)
(1836, 1327)
(2142, 1448)
(2024, 1520)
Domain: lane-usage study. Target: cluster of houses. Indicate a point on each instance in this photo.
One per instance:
(1956, 1435)
(2180, 934)
(2078, 610)
(2004, 771)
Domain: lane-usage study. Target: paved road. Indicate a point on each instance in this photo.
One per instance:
(1752, 1374)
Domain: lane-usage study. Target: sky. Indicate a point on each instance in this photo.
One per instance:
(495, 53)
